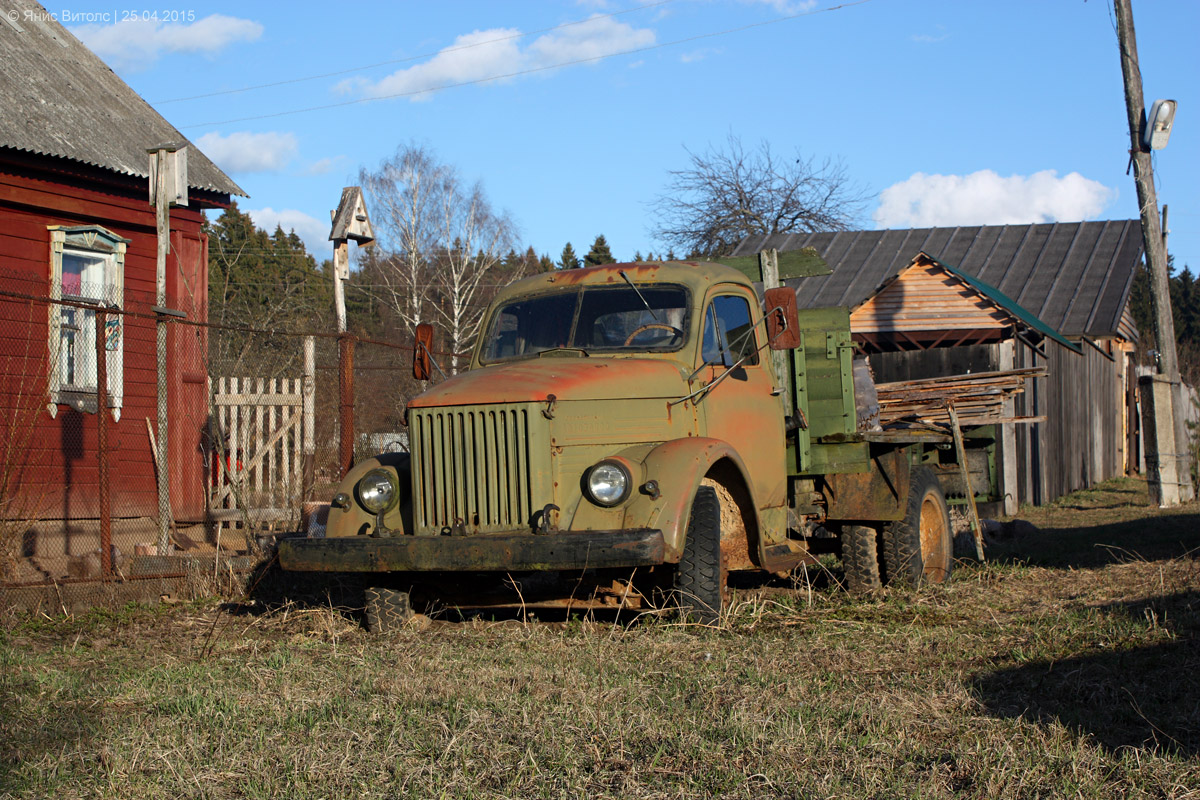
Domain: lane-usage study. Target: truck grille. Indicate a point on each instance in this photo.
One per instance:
(472, 467)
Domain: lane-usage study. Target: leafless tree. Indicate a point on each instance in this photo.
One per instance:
(477, 240)
(440, 238)
(727, 194)
(402, 197)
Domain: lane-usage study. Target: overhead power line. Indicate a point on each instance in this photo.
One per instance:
(408, 59)
(529, 71)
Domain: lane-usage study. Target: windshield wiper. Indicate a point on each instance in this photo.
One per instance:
(653, 313)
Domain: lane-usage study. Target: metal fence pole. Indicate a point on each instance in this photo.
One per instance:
(346, 417)
(106, 562)
(308, 397)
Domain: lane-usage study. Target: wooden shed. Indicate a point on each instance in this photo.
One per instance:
(76, 224)
(943, 301)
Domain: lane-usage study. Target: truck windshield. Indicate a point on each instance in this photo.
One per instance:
(606, 318)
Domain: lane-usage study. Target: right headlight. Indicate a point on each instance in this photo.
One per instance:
(607, 483)
(377, 490)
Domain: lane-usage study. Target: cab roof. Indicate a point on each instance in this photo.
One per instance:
(696, 275)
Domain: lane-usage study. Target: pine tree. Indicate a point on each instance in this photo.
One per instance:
(568, 259)
(637, 256)
(1185, 305)
(599, 254)
(260, 280)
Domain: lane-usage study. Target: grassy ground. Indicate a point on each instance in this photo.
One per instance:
(1068, 666)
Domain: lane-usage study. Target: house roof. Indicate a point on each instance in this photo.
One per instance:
(1074, 277)
(61, 100)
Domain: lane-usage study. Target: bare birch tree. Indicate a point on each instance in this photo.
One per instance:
(403, 195)
(727, 194)
(440, 239)
(478, 239)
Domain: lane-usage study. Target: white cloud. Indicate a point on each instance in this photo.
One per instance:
(786, 6)
(699, 55)
(313, 232)
(932, 38)
(480, 55)
(985, 198)
(472, 56)
(324, 166)
(595, 38)
(136, 44)
(249, 152)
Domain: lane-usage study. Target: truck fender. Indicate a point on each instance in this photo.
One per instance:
(679, 467)
(350, 521)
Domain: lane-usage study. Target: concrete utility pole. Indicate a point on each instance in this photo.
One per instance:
(1171, 417)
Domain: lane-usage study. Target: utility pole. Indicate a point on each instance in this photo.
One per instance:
(1170, 417)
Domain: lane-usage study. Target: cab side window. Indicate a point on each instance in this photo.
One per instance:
(729, 332)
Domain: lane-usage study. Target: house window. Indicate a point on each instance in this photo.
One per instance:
(87, 266)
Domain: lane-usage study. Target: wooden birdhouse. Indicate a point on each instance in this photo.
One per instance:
(350, 220)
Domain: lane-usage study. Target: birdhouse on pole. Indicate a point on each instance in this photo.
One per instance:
(350, 221)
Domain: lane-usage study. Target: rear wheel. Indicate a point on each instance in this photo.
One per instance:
(920, 547)
(700, 576)
(386, 609)
(860, 559)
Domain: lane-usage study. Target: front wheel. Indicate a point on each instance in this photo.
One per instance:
(700, 575)
(920, 547)
(386, 609)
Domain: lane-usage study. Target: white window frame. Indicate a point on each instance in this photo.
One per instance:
(91, 241)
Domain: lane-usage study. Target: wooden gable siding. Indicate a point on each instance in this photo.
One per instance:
(62, 449)
(926, 298)
(1127, 328)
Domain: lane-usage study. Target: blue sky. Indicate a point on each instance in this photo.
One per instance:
(946, 113)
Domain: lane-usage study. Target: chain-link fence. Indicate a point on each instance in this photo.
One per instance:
(104, 482)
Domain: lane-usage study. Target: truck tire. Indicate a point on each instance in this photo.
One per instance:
(920, 547)
(700, 576)
(386, 609)
(860, 559)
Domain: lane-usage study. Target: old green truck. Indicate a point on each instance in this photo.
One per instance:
(627, 435)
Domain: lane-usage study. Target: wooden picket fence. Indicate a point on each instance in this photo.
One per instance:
(262, 432)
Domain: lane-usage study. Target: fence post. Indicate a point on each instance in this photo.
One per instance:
(308, 396)
(346, 387)
(106, 563)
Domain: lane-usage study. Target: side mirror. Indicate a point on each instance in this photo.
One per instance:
(783, 319)
(422, 369)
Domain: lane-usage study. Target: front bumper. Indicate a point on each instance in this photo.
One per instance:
(517, 552)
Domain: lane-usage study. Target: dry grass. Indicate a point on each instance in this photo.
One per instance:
(1063, 668)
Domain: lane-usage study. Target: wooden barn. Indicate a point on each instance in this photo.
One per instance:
(943, 301)
(76, 224)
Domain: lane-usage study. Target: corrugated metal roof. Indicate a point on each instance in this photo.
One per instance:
(1073, 276)
(61, 100)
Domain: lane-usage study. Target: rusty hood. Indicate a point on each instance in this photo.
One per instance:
(566, 378)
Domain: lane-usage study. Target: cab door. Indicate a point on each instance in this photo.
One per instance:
(741, 408)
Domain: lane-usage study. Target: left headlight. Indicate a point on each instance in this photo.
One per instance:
(607, 483)
(377, 491)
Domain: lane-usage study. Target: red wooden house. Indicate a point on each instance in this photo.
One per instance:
(76, 224)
